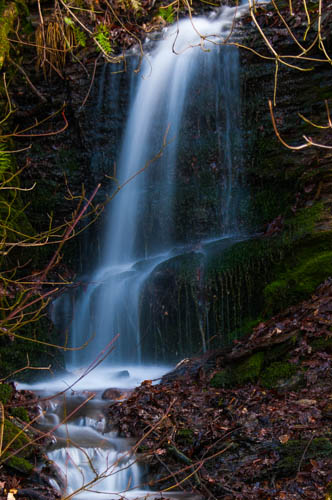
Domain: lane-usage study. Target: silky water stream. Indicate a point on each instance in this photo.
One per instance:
(97, 464)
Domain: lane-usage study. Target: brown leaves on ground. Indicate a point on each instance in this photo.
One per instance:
(247, 442)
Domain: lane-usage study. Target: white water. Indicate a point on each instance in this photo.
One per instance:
(109, 305)
(94, 463)
(100, 378)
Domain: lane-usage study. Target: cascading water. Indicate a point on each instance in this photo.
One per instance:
(184, 88)
(182, 81)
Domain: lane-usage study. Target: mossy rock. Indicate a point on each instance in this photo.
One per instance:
(6, 392)
(304, 267)
(20, 413)
(295, 452)
(279, 373)
(16, 441)
(20, 464)
(222, 379)
(247, 326)
(249, 370)
(13, 355)
(299, 283)
(242, 373)
(304, 221)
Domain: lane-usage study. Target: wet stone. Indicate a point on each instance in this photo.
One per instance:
(111, 394)
(122, 374)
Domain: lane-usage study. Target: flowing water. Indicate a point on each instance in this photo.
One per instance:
(181, 74)
(171, 83)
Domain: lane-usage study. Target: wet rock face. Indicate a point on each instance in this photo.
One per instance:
(183, 310)
(279, 183)
(279, 177)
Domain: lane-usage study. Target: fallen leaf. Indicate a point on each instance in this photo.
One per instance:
(283, 438)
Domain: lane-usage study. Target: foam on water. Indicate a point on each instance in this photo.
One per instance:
(99, 379)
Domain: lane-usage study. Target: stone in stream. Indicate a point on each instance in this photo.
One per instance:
(112, 394)
(122, 374)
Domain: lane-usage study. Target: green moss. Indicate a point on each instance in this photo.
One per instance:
(246, 371)
(233, 284)
(185, 436)
(249, 370)
(266, 205)
(277, 372)
(6, 392)
(295, 451)
(20, 413)
(221, 379)
(15, 224)
(305, 266)
(16, 441)
(244, 254)
(299, 282)
(246, 327)
(13, 433)
(143, 448)
(304, 221)
(20, 464)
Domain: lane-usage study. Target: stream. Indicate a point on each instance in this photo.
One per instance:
(93, 462)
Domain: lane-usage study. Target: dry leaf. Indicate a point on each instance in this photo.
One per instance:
(283, 438)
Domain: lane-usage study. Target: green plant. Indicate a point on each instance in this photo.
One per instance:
(6, 392)
(80, 36)
(103, 39)
(20, 413)
(167, 13)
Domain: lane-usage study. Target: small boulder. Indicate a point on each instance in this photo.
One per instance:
(122, 374)
(111, 394)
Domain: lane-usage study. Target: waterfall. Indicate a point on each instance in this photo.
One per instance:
(183, 130)
(184, 107)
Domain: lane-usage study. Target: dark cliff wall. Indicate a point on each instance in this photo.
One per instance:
(202, 299)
